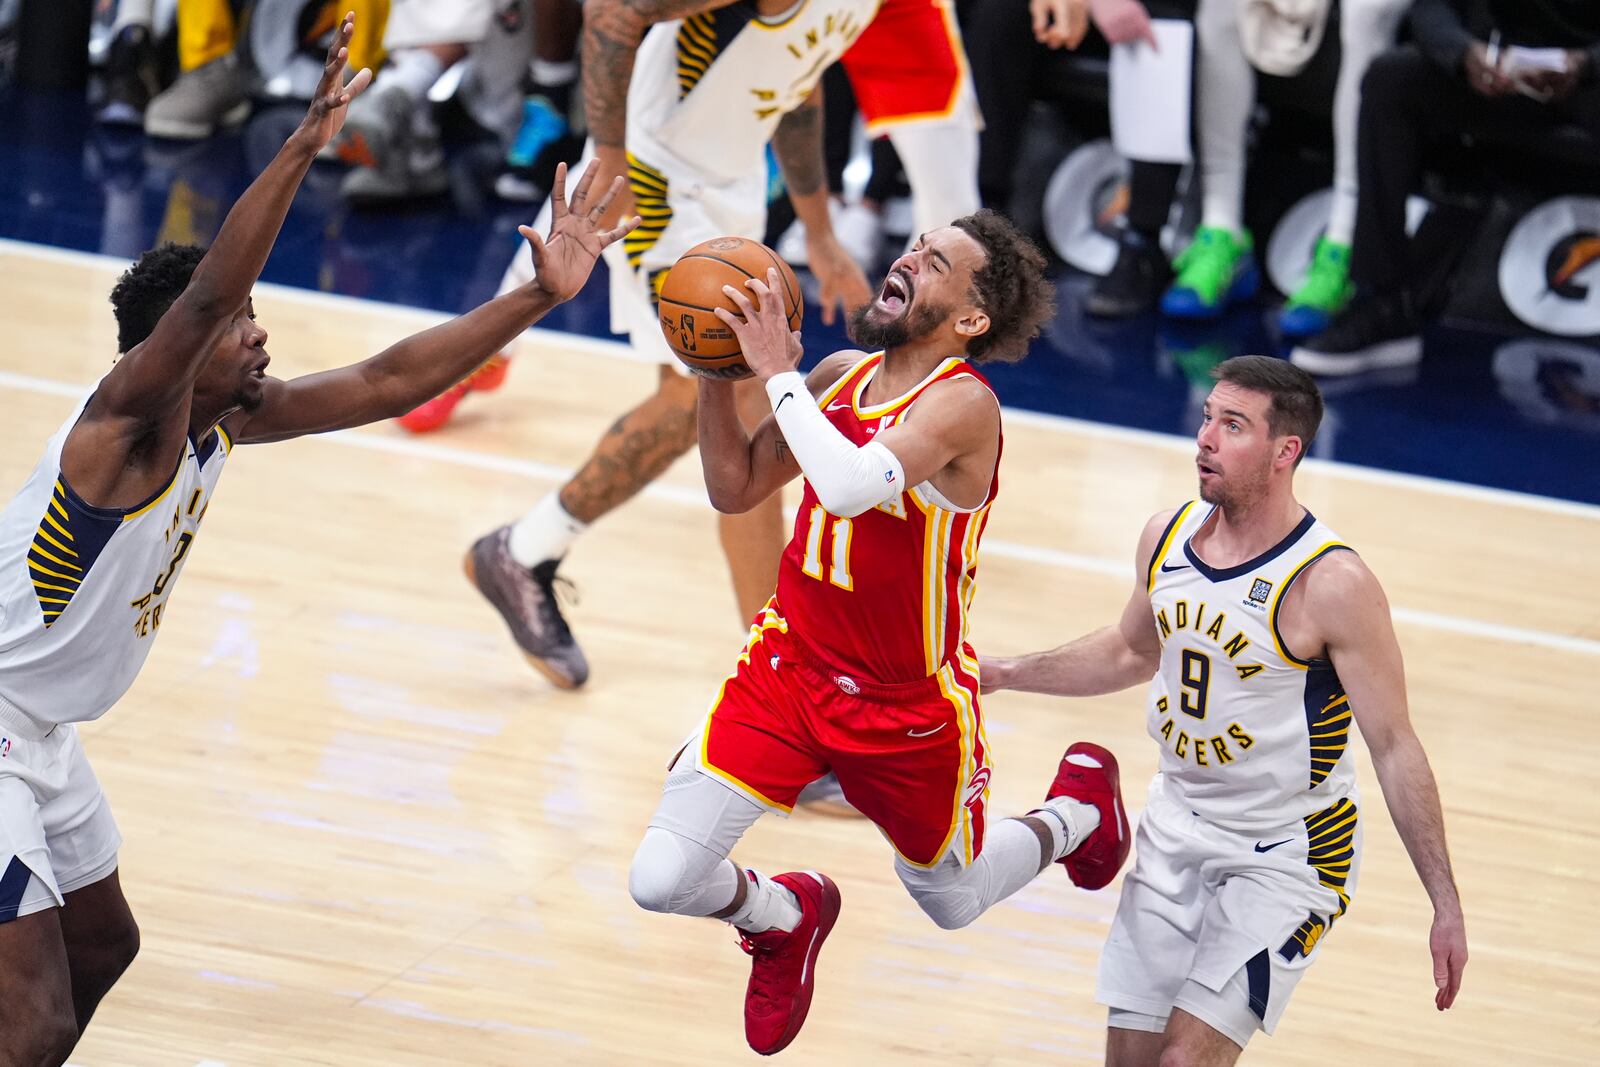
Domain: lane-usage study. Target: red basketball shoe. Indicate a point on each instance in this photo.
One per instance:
(1089, 773)
(429, 416)
(783, 964)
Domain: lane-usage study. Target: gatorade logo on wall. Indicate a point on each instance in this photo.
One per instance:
(1550, 267)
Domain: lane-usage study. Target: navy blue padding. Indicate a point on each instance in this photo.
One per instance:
(12, 885)
(1259, 973)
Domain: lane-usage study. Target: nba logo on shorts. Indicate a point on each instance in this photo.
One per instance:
(5, 747)
(1259, 591)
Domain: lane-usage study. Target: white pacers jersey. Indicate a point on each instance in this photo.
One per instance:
(1251, 737)
(82, 588)
(708, 90)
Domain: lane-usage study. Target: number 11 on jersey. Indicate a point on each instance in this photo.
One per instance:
(816, 530)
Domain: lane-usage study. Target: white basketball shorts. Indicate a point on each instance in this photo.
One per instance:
(1223, 924)
(56, 829)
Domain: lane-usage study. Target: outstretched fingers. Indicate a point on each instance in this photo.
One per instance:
(580, 195)
(338, 51)
(598, 212)
(619, 231)
(558, 194)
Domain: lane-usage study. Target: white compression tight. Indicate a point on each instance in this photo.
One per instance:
(1227, 87)
(682, 865)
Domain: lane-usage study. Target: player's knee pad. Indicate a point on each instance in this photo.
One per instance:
(943, 893)
(668, 871)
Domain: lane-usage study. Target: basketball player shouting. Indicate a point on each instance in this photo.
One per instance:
(92, 545)
(860, 664)
(1266, 637)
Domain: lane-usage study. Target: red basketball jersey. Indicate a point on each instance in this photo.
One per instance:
(884, 595)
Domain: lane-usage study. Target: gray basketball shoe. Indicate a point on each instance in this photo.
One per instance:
(526, 601)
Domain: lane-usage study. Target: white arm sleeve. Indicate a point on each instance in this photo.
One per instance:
(848, 479)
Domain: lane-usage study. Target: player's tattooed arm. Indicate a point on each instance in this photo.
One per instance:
(744, 468)
(797, 143)
(612, 30)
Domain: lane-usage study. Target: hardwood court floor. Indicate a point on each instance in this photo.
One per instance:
(361, 832)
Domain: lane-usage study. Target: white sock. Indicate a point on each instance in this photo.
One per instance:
(1070, 822)
(767, 906)
(544, 533)
(413, 71)
(550, 73)
(133, 13)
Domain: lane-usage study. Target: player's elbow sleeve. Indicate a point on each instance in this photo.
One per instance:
(869, 476)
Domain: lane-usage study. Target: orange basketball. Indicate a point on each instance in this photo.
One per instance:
(693, 290)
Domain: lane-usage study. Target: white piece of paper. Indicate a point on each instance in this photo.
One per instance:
(1150, 94)
(1519, 60)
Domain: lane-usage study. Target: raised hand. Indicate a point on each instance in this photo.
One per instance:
(562, 261)
(841, 279)
(331, 101)
(769, 346)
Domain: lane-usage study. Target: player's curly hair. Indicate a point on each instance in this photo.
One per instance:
(148, 288)
(1011, 288)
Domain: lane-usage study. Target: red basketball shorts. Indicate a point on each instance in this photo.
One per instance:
(907, 64)
(912, 758)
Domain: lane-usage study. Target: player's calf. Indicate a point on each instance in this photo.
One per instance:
(41, 1027)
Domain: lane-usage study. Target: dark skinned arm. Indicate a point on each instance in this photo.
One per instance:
(425, 364)
(130, 434)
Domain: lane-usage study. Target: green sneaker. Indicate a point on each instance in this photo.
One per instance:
(1217, 269)
(1324, 293)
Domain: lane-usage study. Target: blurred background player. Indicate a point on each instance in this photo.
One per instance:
(909, 76)
(685, 107)
(1262, 637)
(1219, 267)
(859, 663)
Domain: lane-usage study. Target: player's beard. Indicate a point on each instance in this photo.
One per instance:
(1237, 491)
(912, 324)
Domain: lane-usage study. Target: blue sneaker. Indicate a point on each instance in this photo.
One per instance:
(543, 124)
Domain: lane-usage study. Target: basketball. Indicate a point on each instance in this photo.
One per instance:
(693, 290)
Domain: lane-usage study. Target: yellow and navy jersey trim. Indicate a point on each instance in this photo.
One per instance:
(69, 539)
(1164, 545)
(1331, 847)
(649, 188)
(702, 37)
(1328, 718)
(1283, 587)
